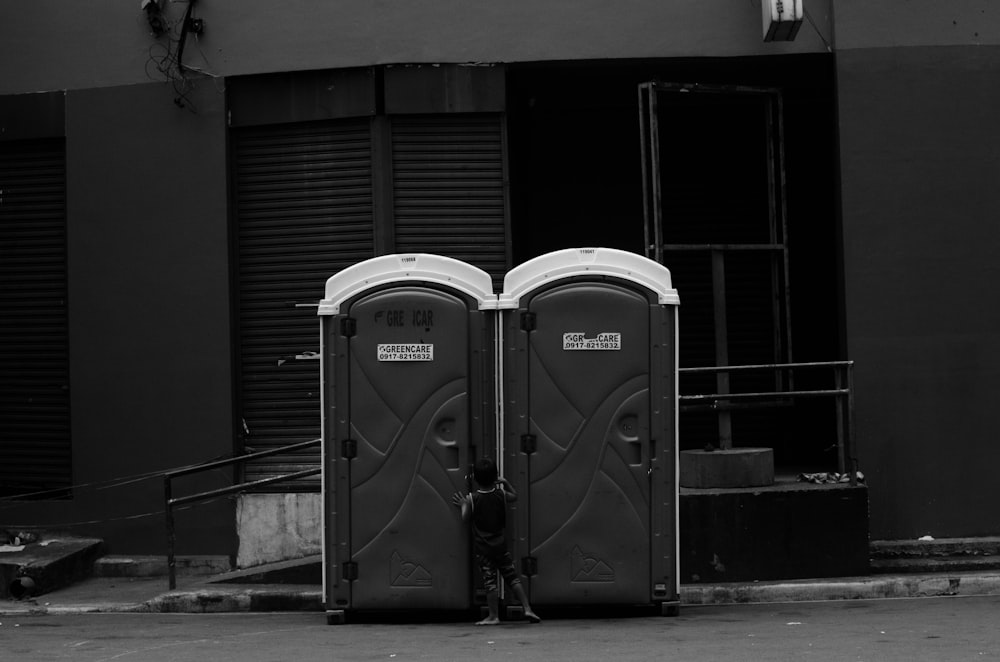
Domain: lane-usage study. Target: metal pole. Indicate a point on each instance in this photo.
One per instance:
(850, 424)
(654, 141)
(725, 420)
(841, 412)
(171, 534)
(644, 151)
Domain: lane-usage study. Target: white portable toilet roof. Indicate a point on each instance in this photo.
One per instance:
(404, 267)
(573, 262)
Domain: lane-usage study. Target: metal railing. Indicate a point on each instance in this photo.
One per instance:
(169, 501)
(842, 393)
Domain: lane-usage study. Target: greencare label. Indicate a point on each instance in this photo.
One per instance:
(405, 352)
(601, 342)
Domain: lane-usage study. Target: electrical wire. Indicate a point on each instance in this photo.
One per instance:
(20, 500)
(122, 518)
(829, 48)
(165, 59)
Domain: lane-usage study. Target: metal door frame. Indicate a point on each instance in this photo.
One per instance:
(656, 236)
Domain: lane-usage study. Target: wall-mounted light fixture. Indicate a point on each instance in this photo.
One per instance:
(782, 19)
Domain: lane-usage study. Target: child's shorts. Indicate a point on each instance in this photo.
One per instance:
(490, 568)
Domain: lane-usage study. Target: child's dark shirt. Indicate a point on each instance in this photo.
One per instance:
(489, 520)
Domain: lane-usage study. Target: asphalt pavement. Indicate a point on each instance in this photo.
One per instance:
(951, 629)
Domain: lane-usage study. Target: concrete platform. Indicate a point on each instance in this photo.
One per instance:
(788, 530)
(935, 556)
(46, 564)
(726, 468)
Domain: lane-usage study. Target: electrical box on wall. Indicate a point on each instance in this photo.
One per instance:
(781, 18)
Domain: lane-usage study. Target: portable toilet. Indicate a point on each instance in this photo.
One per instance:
(590, 427)
(408, 370)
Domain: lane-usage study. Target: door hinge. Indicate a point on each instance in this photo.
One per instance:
(529, 566)
(349, 449)
(348, 326)
(529, 321)
(529, 443)
(350, 571)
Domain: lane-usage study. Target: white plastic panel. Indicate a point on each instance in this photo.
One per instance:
(571, 262)
(405, 267)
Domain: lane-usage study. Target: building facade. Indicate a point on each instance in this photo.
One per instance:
(177, 181)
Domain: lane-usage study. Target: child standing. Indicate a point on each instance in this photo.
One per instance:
(486, 508)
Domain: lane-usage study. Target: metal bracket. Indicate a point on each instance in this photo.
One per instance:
(350, 571)
(529, 443)
(348, 326)
(349, 449)
(529, 566)
(529, 321)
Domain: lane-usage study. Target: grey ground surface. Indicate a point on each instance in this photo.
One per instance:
(938, 629)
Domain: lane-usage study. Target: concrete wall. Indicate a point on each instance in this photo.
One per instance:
(276, 527)
(891, 24)
(46, 45)
(148, 245)
(149, 310)
(920, 160)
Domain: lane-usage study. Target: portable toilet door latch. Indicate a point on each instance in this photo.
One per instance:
(529, 566)
(349, 449)
(348, 327)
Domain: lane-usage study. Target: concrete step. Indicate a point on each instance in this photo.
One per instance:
(119, 565)
(935, 555)
(306, 570)
(936, 564)
(50, 562)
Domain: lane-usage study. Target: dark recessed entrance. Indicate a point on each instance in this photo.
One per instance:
(576, 180)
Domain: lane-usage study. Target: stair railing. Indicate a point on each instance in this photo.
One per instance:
(842, 393)
(169, 501)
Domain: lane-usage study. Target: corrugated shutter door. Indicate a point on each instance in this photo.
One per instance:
(35, 451)
(448, 188)
(304, 211)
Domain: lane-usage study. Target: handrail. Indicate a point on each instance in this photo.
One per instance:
(169, 501)
(842, 393)
(758, 366)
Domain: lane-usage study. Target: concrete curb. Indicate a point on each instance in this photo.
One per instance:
(290, 598)
(208, 601)
(856, 588)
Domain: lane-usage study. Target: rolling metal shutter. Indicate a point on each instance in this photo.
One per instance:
(35, 453)
(448, 188)
(303, 197)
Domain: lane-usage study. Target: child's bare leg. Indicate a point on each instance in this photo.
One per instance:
(493, 605)
(522, 597)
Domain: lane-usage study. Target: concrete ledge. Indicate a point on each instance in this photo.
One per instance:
(784, 532)
(257, 599)
(951, 547)
(936, 555)
(54, 561)
(733, 467)
(156, 566)
(305, 570)
(101, 597)
(858, 588)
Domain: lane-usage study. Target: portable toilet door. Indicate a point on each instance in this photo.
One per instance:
(408, 353)
(590, 386)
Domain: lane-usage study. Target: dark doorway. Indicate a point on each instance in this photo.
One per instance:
(576, 180)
